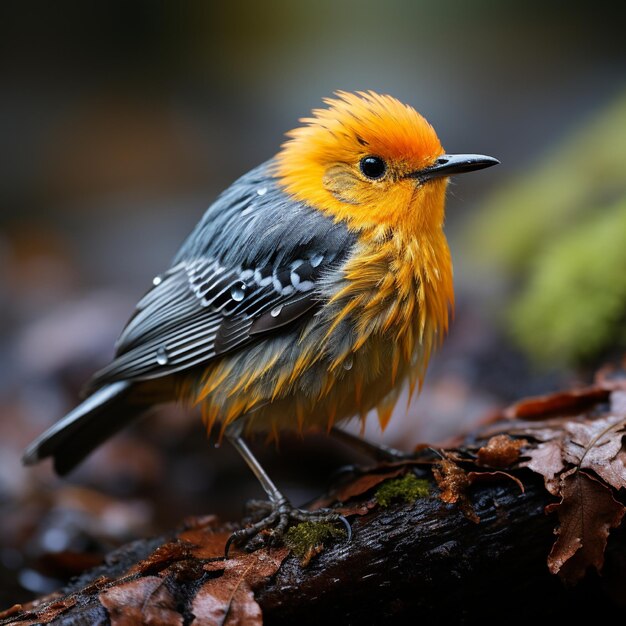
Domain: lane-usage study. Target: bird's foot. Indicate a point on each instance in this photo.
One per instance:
(275, 519)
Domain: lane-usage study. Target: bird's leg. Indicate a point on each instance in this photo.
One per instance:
(280, 512)
(377, 451)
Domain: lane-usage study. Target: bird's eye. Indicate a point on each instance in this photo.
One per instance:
(373, 167)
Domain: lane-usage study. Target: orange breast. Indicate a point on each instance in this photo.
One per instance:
(385, 311)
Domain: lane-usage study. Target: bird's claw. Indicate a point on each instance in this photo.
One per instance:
(257, 509)
(270, 530)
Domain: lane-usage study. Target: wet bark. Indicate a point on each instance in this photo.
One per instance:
(406, 563)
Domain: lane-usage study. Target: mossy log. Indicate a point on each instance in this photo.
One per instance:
(466, 538)
(406, 563)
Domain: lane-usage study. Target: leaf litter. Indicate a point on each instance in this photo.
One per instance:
(574, 440)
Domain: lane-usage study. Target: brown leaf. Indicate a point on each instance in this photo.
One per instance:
(536, 429)
(358, 486)
(477, 477)
(145, 600)
(229, 599)
(12, 610)
(547, 459)
(365, 483)
(564, 403)
(453, 482)
(595, 445)
(163, 556)
(587, 511)
(205, 542)
(34, 613)
(500, 451)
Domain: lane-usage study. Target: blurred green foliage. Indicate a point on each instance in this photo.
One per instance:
(559, 230)
(574, 306)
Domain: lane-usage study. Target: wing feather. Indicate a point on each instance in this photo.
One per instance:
(250, 268)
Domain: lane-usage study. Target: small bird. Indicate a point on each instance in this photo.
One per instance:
(309, 292)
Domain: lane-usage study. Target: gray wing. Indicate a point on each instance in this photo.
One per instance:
(251, 267)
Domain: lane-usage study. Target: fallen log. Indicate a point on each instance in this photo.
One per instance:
(465, 534)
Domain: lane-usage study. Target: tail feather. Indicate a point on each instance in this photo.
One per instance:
(73, 437)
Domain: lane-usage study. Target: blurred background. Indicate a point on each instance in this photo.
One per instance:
(120, 123)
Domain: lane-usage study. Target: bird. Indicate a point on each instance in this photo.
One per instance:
(311, 290)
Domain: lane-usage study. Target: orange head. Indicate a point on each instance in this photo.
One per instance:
(372, 161)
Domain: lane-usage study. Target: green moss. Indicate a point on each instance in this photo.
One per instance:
(408, 488)
(554, 240)
(303, 538)
(574, 305)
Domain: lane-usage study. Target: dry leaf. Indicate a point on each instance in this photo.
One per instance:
(205, 542)
(564, 403)
(365, 483)
(595, 445)
(228, 600)
(569, 452)
(358, 487)
(12, 610)
(145, 600)
(547, 459)
(477, 477)
(48, 612)
(160, 558)
(587, 512)
(453, 482)
(500, 451)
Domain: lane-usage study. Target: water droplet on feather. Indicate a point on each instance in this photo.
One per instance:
(237, 292)
(161, 356)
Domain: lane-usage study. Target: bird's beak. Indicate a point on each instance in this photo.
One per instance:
(448, 164)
